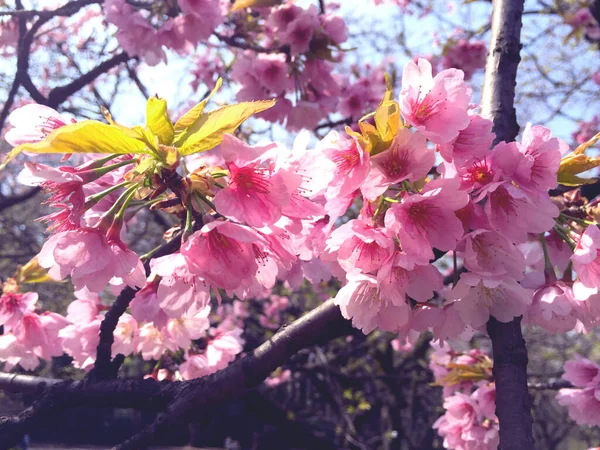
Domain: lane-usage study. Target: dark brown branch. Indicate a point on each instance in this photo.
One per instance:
(321, 324)
(501, 69)
(7, 202)
(513, 402)
(105, 368)
(61, 93)
(233, 42)
(184, 399)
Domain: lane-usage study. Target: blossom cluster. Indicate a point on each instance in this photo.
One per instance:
(583, 400)
(469, 399)
(368, 207)
(143, 32)
(465, 55)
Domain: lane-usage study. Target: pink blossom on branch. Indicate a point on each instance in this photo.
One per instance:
(436, 106)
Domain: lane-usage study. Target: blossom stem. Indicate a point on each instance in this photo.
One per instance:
(93, 199)
(189, 223)
(576, 219)
(548, 266)
(455, 271)
(104, 170)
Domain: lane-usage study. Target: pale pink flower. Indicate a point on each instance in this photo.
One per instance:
(298, 33)
(472, 143)
(32, 123)
(145, 307)
(477, 298)
(254, 195)
(596, 78)
(223, 253)
(362, 301)
(12, 352)
(12, 307)
(407, 158)
(125, 335)
(465, 55)
(80, 342)
(583, 404)
(183, 330)
(361, 246)
(207, 13)
(39, 333)
(90, 259)
(272, 71)
(283, 15)
(85, 309)
(582, 372)
(397, 278)
(586, 258)
(427, 220)
(152, 342)
(488, 253)
(508, 209)
(335, 28)
(552, 308)
(436, 106)
(179, 290)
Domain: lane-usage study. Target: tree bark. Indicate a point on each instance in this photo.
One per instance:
(513, 403)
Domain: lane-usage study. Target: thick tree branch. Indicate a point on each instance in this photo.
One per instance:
(13, 200)
(105, 368)
(184, 399)
(321, 324)
(513, 402)
(501, 69)
(61, 93)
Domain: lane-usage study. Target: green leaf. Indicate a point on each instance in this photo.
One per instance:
(194, 114)
(89, 136)
(208, 132)
(157, 120)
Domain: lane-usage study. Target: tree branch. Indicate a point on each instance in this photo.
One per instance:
(513, 402)
(13, 200)
(61, 93)
(322, 323)
(184, 399)
(105, 368)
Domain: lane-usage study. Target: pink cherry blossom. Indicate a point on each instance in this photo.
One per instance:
(350, 165)
(586, 257)
(552, 308)
(407, 158)
(13, 306)
(583, 404)
(179, 290)
(90, 259)
(32, 123)
(362, 301)
(222, 253)
(509, 211)
(427, 220)
(477, 298)
(465, 55)
(436, 106)
(361, 246)
(582, 372)
(472, 143)
(488, 253)
(254, 195)
(183, 330)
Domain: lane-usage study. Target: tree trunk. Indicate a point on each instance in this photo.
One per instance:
(513, 403)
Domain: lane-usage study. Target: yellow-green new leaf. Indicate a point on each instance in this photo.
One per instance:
(242, 4)
(89, 136)
(157, 120)
(194, 114)
(208, 132)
